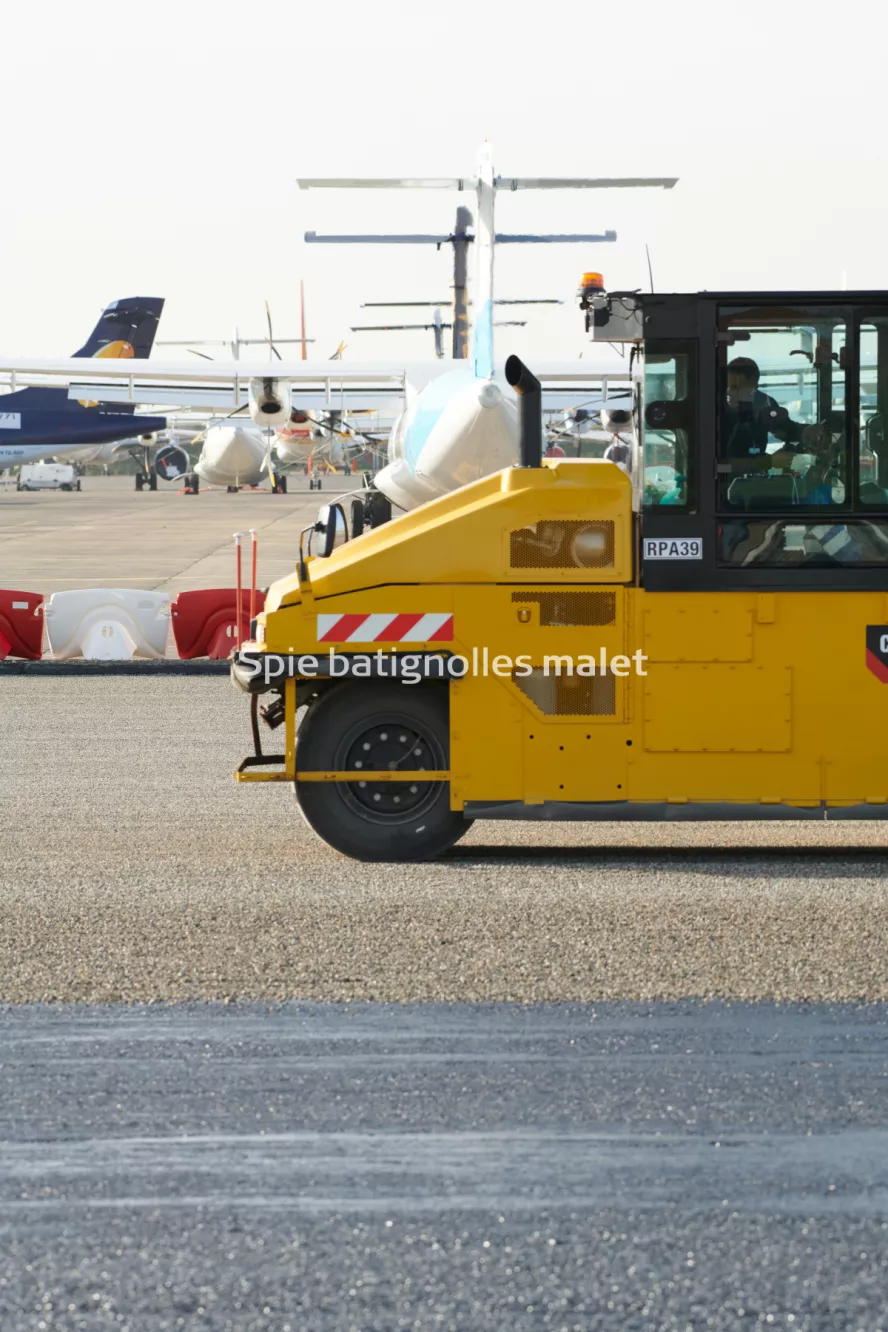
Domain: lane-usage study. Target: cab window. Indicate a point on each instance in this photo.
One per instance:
(670, 434)
(788, 543)
(872, 479)
(782, 427)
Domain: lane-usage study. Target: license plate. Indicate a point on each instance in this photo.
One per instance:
(673, 548)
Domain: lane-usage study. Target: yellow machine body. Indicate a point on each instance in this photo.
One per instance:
(715, 699)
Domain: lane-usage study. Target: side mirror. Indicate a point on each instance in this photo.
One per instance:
(331, 528)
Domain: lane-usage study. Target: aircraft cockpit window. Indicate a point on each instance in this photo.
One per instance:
(669, 427)
(782, 430)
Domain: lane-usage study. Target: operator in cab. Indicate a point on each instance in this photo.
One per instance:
(750, 416)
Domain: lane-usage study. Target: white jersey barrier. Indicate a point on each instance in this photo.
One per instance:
(107, 624)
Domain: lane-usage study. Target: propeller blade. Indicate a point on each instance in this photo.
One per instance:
(270, 333)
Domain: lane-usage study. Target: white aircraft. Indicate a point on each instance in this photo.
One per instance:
(460, 423)
(463, 426)
(236, 453)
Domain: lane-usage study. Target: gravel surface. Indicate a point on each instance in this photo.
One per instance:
(354, 1168)
(132, 867)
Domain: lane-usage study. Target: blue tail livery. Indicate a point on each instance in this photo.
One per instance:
(38, 421)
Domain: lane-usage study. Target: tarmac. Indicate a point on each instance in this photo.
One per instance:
(358, 1168)
(133, 867)
(579, 1077)
(110, 535)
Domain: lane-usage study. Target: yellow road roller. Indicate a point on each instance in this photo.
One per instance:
(698, 630)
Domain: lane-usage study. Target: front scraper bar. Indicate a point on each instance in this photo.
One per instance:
(245, 771)
(386, 775)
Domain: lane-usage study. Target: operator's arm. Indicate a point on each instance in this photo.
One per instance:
(808, 438)
(762, 462)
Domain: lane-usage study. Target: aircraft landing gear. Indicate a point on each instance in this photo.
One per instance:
(152, 481)
(140, 480)
(314, 483)
(192, 484)
(377, 509)
(280, 486)
(232, 490)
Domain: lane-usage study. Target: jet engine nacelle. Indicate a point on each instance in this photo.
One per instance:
(269, 402)
(615, 419)
(171, 462)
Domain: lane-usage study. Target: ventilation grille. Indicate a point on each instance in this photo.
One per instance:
(572, 608)
(560, 544)
(569, 695)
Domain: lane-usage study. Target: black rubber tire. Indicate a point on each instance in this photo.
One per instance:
(282, 485)
(334, 725)
(65, 487)
(378, 508)
(140, 480)
(152, 481)
(77, 487)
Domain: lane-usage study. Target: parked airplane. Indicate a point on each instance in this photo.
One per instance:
(462, 426)
(459, 424)
(235, 453)
(39, 422)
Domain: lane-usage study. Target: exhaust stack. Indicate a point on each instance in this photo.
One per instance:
(530, 411)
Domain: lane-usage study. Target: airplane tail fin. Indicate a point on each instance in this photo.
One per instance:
(125, 329)
(482, 327)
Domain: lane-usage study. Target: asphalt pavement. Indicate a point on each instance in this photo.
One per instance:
(111, 535)
(133, 867)
(318, 1166)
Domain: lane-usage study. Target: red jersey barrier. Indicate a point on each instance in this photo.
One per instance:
(205, 622)
(21, 625)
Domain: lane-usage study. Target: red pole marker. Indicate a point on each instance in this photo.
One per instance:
(238, 537)
(254, 547)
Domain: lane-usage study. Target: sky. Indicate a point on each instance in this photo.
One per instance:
(154, 149)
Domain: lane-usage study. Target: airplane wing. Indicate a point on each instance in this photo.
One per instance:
(220, 386)
(384, 183)
(223, 385)
(212, 372)
(312, 238)
(501, 182)
(585, 182)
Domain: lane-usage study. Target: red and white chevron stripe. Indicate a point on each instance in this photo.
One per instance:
(386, 628)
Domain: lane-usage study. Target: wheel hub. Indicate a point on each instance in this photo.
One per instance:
(395, 747)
